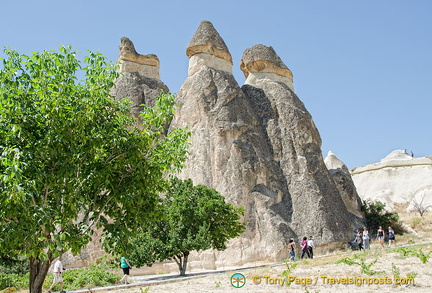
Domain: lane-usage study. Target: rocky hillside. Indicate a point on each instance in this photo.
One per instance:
(398, 178)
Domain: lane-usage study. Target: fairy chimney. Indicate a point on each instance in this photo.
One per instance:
(260, 62)
(139, 77)
(207, 48)
(130, 61)
(345, 184)
(229, 152)
(318, 209)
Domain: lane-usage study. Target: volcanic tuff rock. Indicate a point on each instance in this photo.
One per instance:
(260, 62)
(259, 148)
(398, 178)
(207, 48)
(131, 61)
(345, 184)
(296, 145)
(229, 152)
(139, 79)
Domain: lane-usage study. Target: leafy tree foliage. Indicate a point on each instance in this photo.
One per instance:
(72, 159)
(13, 265)
(194, 218)
(376, 215)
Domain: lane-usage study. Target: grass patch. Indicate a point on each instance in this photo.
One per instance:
(89, 277)
(365, 265)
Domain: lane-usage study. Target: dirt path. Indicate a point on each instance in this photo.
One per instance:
(321, 274)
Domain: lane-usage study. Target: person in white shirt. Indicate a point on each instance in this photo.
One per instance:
(311, 246)
(366, 238)
(57, 271)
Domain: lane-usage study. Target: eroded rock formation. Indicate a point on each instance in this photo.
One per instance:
(296, 145)
(258, 146)
(139, 79)
(345, 184)
(398, 178)
(230, 152)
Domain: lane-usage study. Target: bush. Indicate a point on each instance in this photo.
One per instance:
(108, 261)
(14, 280)
(376, 215)
(93, 276)
(10, 265)
(415, 222)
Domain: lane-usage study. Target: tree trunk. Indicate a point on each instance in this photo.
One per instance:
(182, 262)
(38, 272)
(184, 265)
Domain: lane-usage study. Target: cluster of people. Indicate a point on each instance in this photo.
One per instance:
(381, 237)
(363, 238)
(307, 246)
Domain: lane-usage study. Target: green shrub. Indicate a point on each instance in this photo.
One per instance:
(14, 280)
(10, 265)
(376, 215)
(365, 268)
(405, 251)
(108, 261)
(415, 222)
(92, 276)
(396, 271)
(423, 256)
(287, 272)
(409, 251)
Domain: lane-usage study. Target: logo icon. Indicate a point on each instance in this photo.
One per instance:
(238, 280)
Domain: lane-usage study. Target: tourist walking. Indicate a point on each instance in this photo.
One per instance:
(359, 239)
(292, 247)
(58, 278)
(125, 265)
(304, 247)
(311, 246)
(366, 238)
(381, 237)
(391, 236)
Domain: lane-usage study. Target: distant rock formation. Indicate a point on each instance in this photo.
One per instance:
(259, 148)
(139, 79)
(345, 184)
(398, 178)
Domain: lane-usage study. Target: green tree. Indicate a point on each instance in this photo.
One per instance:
(72, 159)
(376, 215)
(194, 218)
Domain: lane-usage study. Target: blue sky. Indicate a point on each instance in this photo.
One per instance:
(362, 68)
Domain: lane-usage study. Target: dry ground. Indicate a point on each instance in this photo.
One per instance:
(323, 272)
